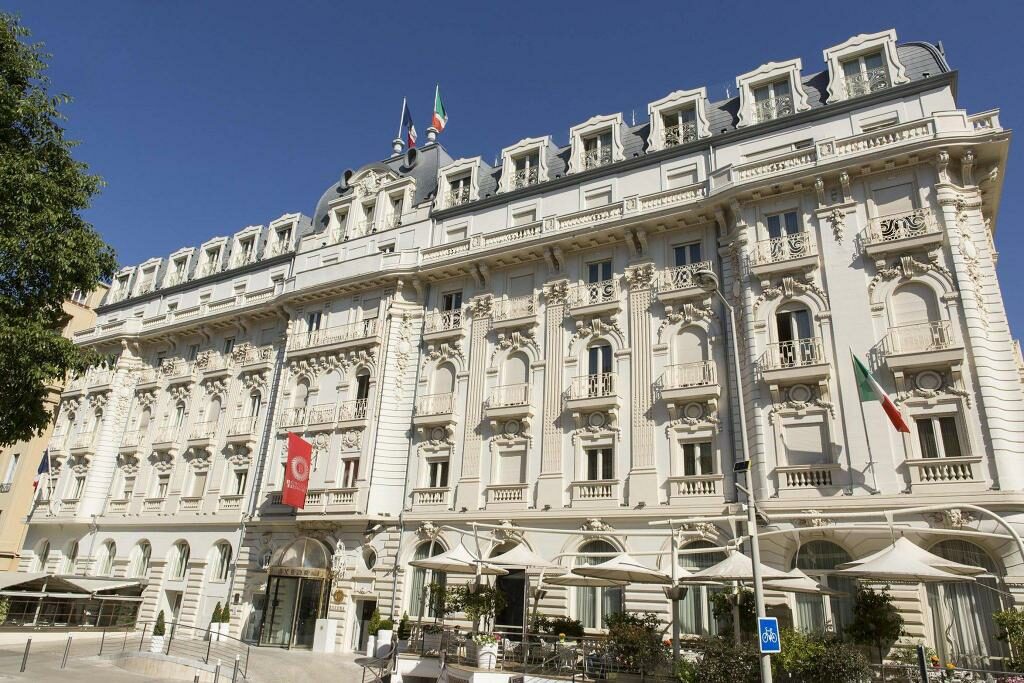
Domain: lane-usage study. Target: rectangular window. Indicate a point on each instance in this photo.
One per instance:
(458, 189)
(510, 468)
(437, 474)
(599, 360)
(597, 198)
(193, 352)
(387, 248)
(697, 459)
(599, 271)
(782, 224)
(241, 477)
(78, 487)
(451, 301)
(12, 466)
(198, 484)
(599, 465)
(247, 246)
(313, 321)
(162, 482)
(772, 101)
(349, 473)
(597, 150)
(129, 488)
(939, 437)
(229, 345)
(680, 126)
(865, 74)
(687, 254)
(894, 199)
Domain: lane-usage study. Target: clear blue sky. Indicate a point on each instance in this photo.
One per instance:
(205, 117)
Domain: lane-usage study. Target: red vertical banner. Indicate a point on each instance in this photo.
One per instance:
(296, 472)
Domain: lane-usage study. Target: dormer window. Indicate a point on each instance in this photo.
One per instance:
(865, 74)
(177, 271)
(597, 150)
(458, 189)
(212, 260)
(366, 226)
(121, 285)
(247, 247)
(527, 170)
(282, 240)
(679, 127)
(146, 281)
(772, 101)
(397, 208)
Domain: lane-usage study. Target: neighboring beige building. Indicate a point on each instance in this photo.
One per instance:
(18, 463)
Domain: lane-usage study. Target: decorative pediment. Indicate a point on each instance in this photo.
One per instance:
(787, 288)
(180, 393)
(692, 416)
(954, 518)
(370, 181)
(238, 455)
(705, 530)
(351, 439)
(257, 381)
(798, 399)
(817, 521)
(640, 276)
(904, 268)
(428, 531)
(79, 464)
(216, 387)
(444, 351)
(685, 314)
(931, 385)
(98, 401)
(515, 340)
(145, 398)
(596, 327)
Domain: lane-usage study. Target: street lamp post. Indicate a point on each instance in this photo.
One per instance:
(708, 281)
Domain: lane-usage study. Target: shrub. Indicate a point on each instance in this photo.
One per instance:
(540, 624)
(5, 606)
(385, 625)
(215, 617)
(876, 621)
(635, 641)
(1011, 629)
(819, 658)
(373, 625)
(225, 614)
(572, 628)
(483, 603)
(159, 627)
(722, 661)
(403, 627)
(721, 608)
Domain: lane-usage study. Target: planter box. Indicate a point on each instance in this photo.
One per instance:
(487, 656)
(156, 644)
(384, 638)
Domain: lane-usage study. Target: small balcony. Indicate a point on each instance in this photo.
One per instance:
(362, 333)
(178, 371)
(593, 392)
(190, 504)
(292, 418)
(866, 82)
(167, 438)
(596, 158)
(519, 311)
(353, 413)
(946, 474)
(524, 177)
(320, 417)
(677, 284)
(594, 298)
(149, 378)
(153, 505)
(230, 503)
(901, 232)
(457, 196)
(507, 495)
(242, 430)
(431, 497)
(202, 434)
(773, 108)
(596, 493)
(687, 489)
(342, 499)
(797, 251)
(789, 362)
(679, 134)
(133, 442)
(214, 365)
(797, 480)
(434, 410)
(118, 507)
(249, 356)
(509, 401)
(84, 443)
(438, 325)
(68, 507)
(931, 344)
(689, 382)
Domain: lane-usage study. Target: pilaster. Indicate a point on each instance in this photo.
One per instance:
(551, 484)
(643, 473)
(480, 324)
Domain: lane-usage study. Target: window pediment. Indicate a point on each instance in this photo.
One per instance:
(595, 127)
(663, 136)
(781, 103)
(535, 151)
(458, 182)
(840, 86)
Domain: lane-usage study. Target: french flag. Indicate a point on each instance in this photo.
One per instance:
(410, 127)
(44, 469)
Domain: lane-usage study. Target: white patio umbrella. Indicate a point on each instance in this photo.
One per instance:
(521, 556)
(898, 566)
(905, 548)
(799, 582)
(736, 567)
(575, 580)
(624, 568)
(458, 560)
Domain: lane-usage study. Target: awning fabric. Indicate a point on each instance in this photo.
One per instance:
(521, 556)
(458, 560)
(40, 594)
(93, 585)
(624, 568)
(8, 579)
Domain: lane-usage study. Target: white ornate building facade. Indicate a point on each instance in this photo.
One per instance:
(526, 346)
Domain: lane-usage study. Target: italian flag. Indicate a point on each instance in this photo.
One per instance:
(440, 115)
(870, 390)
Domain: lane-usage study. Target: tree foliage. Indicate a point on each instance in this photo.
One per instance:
(876, 621)
(47, 249)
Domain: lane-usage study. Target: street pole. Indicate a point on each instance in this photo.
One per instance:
(712, 284)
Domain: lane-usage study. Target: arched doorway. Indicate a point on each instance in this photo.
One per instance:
(513, 585)
(297, 594)
(817, 613)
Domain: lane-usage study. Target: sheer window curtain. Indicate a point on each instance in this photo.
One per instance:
(695, 614)
(815, 613)
(594, 604)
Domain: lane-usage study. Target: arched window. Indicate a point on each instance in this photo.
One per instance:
(105, 562)
(179, 414)
(695, 613)
(691, 345)
(213, 411)
(94, 423)
(255, 403)
(819, 559)
(144, 418)
(362, 385)
(419, 603)
(444, 379)
(515, 370)
(42, 556)
(594, 604)
(961, 612)
(301, 395)
(599, 358)
(221, 565)
(914, 302)
(794, 333)
(179, 560)
(139, 566)
(327, 388)
(70, 558)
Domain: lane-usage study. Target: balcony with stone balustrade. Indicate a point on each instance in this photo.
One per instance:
(944, 475)
(84, 443)
(901, 233)
(202, 434)
(588, 299)
(695, 489)
(339, 337)
(822, 479)
(509, 401)
(594, 392)
(518, 311)
(434, 411)
(688, 382)
(243, 430)
(597, 493)
(442, 325)
(167, 438)
(431, 498)
(190, 504)
(922, 345)
(508, 496)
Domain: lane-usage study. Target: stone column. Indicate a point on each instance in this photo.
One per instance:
(468, 493)
(643, 472)
(551, 483)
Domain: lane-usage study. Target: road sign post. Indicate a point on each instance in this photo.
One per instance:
(768, 635)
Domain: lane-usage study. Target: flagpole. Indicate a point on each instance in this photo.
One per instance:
(49, 479)
(400, 120)
(867, 435)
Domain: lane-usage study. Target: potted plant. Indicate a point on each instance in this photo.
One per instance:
(432, 638)
(403, 632)
(225, 621)
(156, 643)
(385, 633)
(486, 650)
(371, 633)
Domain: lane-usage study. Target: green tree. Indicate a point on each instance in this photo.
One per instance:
(1011, 629)
(876, 621)
(47, 250)
(159, 627)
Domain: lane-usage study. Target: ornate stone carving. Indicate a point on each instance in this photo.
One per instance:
(686, 314)
(508, 531)
(597, 327)
(706, 530)
(798, 398)
(903, 267)
(640, 276)
(596, 524)
(837, 217)
(818, 521)
(556, 292)
(428, 531)
(930, 385)
(145, 398)
(256, 381)
(788, 287)
(180, 393)
(405, 348)
(238, 455)
(128, 464)
(693, 415)
(216, 387)
(444, 351)
(162, 461)
(513, 341)
(954, 518)
(198, 459)
(350, 439)
(480, 306)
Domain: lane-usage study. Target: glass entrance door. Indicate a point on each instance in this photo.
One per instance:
(279, 617)
(513, 585)
(307, 611)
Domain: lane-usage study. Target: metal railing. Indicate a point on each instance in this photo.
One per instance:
(333, 335)
(524, 177)
(774, 108)
(167, 434)
(443, 321)
(793, 354)
(679, 134)
(509, 395)
(456, 196)
(435, 404)
(185, 642)
(784, 248)
(514, 307)
(898, 226)
(591, 293)
(866, 82)
(204, 430)
(292, 417)
(352, 410)
(595, 158)
(698, 374)
(919, 337)
(681, 277)
(243, 425)
(598, 385)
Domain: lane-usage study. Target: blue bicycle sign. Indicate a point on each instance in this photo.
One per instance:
(769, 638)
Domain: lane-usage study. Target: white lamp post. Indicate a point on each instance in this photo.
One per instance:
(708, 281)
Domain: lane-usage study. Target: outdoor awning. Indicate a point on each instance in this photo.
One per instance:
(905, 548)
(582, 581)
(8, 579)
(896, 565)
(521, 556)
(799, 582)
(41, 594)
(624, 568)
(458, 560)
(93, 585)
(736, 567)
